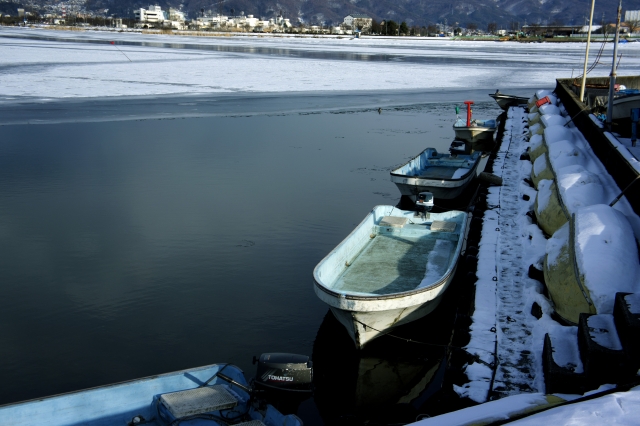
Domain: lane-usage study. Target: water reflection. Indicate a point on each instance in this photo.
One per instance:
(386, 383)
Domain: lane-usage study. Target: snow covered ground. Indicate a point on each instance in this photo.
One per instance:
(44, 64)
(616, 408)
(505, 335)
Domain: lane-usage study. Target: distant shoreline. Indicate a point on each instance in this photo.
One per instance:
(190, 33)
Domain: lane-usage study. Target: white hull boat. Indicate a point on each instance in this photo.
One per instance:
(478, 130)
(445, 176)
(392, 269)
(623, 105)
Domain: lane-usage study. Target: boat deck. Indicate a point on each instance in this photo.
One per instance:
(440, 172)
(391, 264)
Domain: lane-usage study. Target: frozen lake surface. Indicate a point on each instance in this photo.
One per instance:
(41, 64)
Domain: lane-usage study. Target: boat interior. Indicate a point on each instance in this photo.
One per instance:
(394, 256)
(475, 123)
(432, 165)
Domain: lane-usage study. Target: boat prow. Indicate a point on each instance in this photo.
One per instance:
(392, 269)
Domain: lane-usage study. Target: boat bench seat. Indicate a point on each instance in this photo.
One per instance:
(198, 401)
(442, 226)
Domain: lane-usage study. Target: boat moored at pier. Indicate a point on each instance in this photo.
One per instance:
(444, 175)
(505, 101)
(213, 395)
(392, 269)
(472, 130)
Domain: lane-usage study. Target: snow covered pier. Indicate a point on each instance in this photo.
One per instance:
(557, 303)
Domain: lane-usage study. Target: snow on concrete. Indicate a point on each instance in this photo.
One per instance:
(606, 254)
(555, 244)
(579, 188)
(510, 242)
(616, 409)
(602, 330)
(633, 303)
(567, 146)
(626, 149)
(504, 293)
(613, 409)
(62, 68)
(544, 194)
(565, 347)
(486, 413)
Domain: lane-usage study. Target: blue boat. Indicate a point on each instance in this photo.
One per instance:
(213, 395)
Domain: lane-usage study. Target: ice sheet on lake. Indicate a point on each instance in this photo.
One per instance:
(63, 69)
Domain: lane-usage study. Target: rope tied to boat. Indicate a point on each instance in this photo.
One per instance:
(474, 357)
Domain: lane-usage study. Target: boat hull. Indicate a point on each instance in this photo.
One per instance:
(123, 403)
(474, 134)
(506, 101)
(622, 106)
(363, 326)
(441, 189)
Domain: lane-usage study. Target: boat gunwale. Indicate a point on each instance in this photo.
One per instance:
(398, 295)
(461, 178)
(508, 97)
(123, 383)
(362, 297)
(482, 128)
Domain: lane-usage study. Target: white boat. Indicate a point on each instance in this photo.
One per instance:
(477, 130)
(444, 175)
(392, 269)
(623, 103)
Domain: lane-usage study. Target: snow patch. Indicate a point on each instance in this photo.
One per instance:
(602, 330)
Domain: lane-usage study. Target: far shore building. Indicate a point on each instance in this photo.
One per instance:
(241, 23)
(358, 21)
(632, 15)
(153, 15)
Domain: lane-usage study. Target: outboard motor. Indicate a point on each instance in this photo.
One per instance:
(284, 372)
(284, 380)
(424, 203)
(458, 147)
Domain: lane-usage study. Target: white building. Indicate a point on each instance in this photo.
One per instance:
(176, 15)
(152, 15)
(632, 15)
(358, 20)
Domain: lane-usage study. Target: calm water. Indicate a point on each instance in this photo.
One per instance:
(140, 247)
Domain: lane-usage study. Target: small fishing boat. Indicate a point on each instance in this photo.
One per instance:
(444, 175)
(623, 102)
(505, 101)
(475, 131)
(392, 269)
(215, 395)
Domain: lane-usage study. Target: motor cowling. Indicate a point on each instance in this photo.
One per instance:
(284, 372)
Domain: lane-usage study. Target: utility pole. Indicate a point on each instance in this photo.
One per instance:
(612, 76)
(586, 54)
